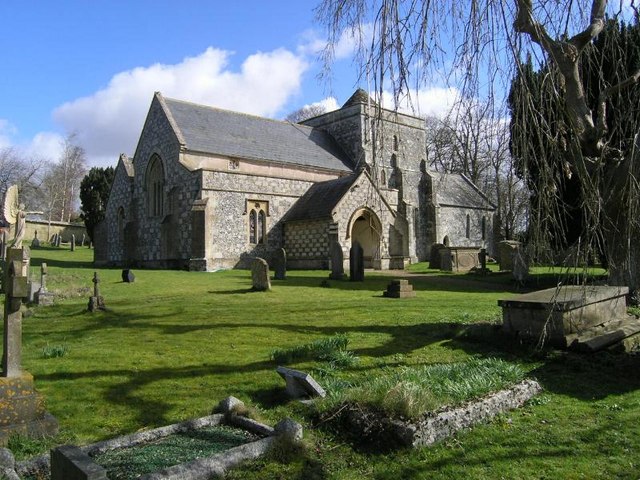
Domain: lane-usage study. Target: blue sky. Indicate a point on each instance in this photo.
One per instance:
(91, 67)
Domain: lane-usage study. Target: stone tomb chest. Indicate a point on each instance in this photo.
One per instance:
(562, 314)
(459, 259)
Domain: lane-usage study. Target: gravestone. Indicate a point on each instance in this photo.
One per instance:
(73, 243)
(3, 246)
(68, 462)
(356, 263)
(35, 243)
(23, 411)
(43, 297)
(58, 240)
(83, 239)
(128, 276)
(300, 384)
(96, 302)
(280, 264)
(506, 250)
(520, 267)
(434, 255)
(337, 261)
(260, 274)
(400, 288)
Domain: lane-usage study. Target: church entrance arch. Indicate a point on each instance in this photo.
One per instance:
(365, 228)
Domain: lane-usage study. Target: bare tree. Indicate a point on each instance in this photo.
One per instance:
(308, 111)
(16, 169)
(480, 45)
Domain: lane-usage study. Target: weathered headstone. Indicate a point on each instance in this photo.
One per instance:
(520, 267)
(23, 410)
(43, 297)
(337, 261)
(73, 242)
(128, 276)
(58, 240)
(280, 264)
(434, 255)
(356, 263)
(83, 239)
(260, 274)
(35, 243)
(96, 302)
(506, 250)
(300, 384)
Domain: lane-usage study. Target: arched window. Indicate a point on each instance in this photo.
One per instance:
(155, 187)
(258, 213)
(394, 161)
(484, 228)
(468, 227)
(383, 178)
(395, 143)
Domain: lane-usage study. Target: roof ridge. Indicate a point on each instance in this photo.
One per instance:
(235, 112)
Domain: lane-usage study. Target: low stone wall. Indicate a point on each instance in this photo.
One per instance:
(46, 230)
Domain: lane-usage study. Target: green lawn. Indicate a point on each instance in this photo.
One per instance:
(172, 344)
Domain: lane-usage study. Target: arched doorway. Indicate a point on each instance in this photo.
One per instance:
(366, 229)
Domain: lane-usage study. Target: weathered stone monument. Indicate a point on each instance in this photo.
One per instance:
(356, 263)
(458, 259)
(520, 267)
(21, 407)
(58, 240)
(96, 302)
(73, 242)
(584, 317)
(43, 296)
(400, 288)
(260, 274)
(83, 239)
(337, 261)
(3, 246)
(506, 251)
(280, 264)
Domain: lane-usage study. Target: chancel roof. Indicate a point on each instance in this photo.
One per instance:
(222, 132)
(458, 191)
(321, 198)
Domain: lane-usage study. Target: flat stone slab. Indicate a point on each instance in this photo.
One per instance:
(300, 384)
(565, 298)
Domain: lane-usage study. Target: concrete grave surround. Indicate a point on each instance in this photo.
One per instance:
(208, 188)
(79, 461)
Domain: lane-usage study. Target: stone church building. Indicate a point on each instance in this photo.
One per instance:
(208, 189)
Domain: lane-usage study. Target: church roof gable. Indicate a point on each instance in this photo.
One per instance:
(321, 198)
(222, 132)
(458, 191)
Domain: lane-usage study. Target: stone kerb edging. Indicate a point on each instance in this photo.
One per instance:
(443, 424)
(198, 469)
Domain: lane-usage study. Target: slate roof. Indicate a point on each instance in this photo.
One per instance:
(222, 132)
(321, 198)
(458, 191)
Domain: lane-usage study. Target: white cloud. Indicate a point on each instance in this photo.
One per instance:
(346, 46)
(6, 132)
(428, 101)
(109, 121)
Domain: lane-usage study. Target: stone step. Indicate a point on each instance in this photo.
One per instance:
(621, 333)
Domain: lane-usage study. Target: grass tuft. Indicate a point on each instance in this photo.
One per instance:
(410, 392)
(54, 351)
(331, 349)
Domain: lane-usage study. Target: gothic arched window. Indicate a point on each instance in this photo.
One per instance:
(468, 226)
(258, 213)
(155, 187)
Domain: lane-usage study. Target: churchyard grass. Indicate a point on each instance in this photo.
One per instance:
(173, 343)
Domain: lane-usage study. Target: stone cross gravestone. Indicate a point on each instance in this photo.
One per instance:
(280, 264)
(337, 261)
(260, 274)
(35, 243)
(96, 302)
(23, 411)
(73, 243)
(43, 297)
(300, 384)
(356, 263)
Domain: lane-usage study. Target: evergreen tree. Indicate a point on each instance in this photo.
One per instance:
(94, 193)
